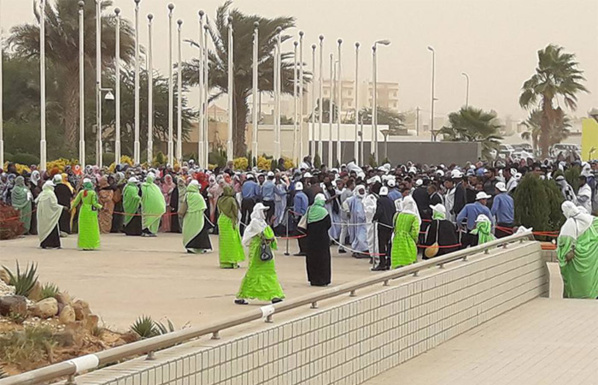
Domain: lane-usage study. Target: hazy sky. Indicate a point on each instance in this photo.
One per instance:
(494, 41)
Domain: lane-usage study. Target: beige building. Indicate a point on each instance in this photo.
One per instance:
(388, 95)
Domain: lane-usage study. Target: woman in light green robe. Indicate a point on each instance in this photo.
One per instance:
(131, 205)
(89, 228)
(48, 215)
(21, 200)
(406, 233)
(195, 235)
(577, 253)
(260, 281)
(229, 238)
(153, 206)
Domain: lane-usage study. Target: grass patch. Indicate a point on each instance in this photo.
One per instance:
(27, 347)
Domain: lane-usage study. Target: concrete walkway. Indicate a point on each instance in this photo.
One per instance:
(133, 276)
(542, 342)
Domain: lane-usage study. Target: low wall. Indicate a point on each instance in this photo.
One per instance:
(351, 342)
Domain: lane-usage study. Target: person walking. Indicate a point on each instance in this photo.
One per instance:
(406, 232)
(300, 204)
(385, 211)
(318, 243)
(503, 210)
(250, 195)
(21, 200)
(260, 281)
(195, 233)
(48, 216)
(153, 206)
(89, 229)
(131, 207)
(106, 200)
(167, 189)
(64, 195)
(229, 239)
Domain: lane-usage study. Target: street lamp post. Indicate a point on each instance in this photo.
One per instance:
(301, 144)
(136, 145)
(375, 96)
(330, 111)
(313, 102)
(295, 105)
(179, 130)
(81, 84)
(117, 85)
(231, 91)
(206, 97)
(277, 85)
(355, 102)
(321, 91)
(255, 111)
(200, 145)
(42, 62)
(339, 102)
(1, 101)
(98, 83)
(150, 91)
(466, 89)
(170, 89)
(432, 136)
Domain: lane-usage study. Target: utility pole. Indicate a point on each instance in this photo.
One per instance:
(417, 121)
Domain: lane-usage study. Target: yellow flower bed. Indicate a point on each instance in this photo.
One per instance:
(241, 163)
(20, 168)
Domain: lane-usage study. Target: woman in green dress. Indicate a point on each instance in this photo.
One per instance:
(131, 206)
(195, 234)
(89, 229)
(577, 252)
(406, 233)
(153, 206)
(483, 229)
(260, 281)
(230, 247)
(21, 200)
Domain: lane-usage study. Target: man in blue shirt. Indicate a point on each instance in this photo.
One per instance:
(250, 193)
(393, 192)
(503, 210)
(300, 204)
(268, 196)
(469, 214)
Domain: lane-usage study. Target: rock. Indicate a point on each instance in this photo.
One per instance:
(4, 277)
(81, 310)
(63, 298)
(36, 292)
(129, 337)
(46, 308)
(14, 304)
(67, 315)
(5, 289)
(92, 322)
(65, 338)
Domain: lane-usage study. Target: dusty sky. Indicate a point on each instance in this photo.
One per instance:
(494, 41)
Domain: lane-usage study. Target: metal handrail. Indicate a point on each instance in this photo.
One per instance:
(75, 366)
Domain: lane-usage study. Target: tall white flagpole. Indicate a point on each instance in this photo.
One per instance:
(99, 146)
(301, 136)
(356, 105)
(42, 71)
(339, 102)
(117, 150)
(150, 90)
(255, 96)
(170, 90)
(81, 84)
(179, 129)
(321, 92)
(206, 79)
(277, 85)
(295, 106)
(200, 122)
(231, 91)
(1, 99)
(331, 111)
(136, 145)
(313, 102)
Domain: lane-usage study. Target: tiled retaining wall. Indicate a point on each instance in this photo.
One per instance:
(352, 342)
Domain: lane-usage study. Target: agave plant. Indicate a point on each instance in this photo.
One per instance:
(164, 329)
(49, 290)
(3, 373)
(145, 327)
(23, 282)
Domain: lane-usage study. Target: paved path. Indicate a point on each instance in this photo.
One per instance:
(132, 276)
(542, 342)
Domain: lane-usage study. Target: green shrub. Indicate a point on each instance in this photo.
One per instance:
(572, 176)
(538, 204)
(23, 282)
(26, 159)
(145, 327)
(217, 158)
(27, 347)
(317, 161)
(49, 290)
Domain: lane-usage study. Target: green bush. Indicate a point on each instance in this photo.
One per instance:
(572, 176)
(108, 158)
(26, 348)
(26, 159)
(317, 161)
(217, 157)
(538, 204)
(49, 290)
(23, 281)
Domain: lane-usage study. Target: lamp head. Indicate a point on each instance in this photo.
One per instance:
(295, 43)
(170, 7)
(229, 19)
(313, 46)
(150, 17)
(81, 4)
(430, 48)
(256, 25)
(383, 42)
(117, 11)
(137, 2)
(321, 37)
(109, 96)
(179, 22)
(339, 41)
(357, 45)
(201, 13)
(301, 34)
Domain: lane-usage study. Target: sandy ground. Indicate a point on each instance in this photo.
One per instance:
(133, 276)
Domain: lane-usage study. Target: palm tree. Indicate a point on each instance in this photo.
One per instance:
(243, 26)
(472, 124)
(394, 120)
(62, 51)
(559, 130)
(557, 76)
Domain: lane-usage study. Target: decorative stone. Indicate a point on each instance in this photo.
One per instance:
(14, 304)
(92, 322)
(36, 292)
(67, 315)
(81, 310)
(46, 308)
(65, 338)
(63, 298)
(4, 276)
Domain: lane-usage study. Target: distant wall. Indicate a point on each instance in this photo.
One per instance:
(356, 340)
(417, 152)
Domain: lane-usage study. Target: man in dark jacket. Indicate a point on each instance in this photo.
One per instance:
(385, 211)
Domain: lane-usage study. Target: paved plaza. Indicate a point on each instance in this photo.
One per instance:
(542, 342)
(133, 276)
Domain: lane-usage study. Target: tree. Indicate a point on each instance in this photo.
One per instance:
(326, 111)
(394, 120)
(243, 26)
(472, 124)
(537, 204)
(62, 51)
(557, 77)
(559, 131)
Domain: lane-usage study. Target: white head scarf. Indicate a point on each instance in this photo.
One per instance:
(57, 178)
(48, 211)
(578, 221)
(410, 207)
(359, 191)
(257, 225)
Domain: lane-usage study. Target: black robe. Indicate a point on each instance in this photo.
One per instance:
(52, 241)
(175, 223)
(447, 236)
(201, 240)
(118, 219)
(317, 244)
(64, 196)
(35, 191)
(133, 228)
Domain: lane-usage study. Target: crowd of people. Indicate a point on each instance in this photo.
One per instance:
(387, 214)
